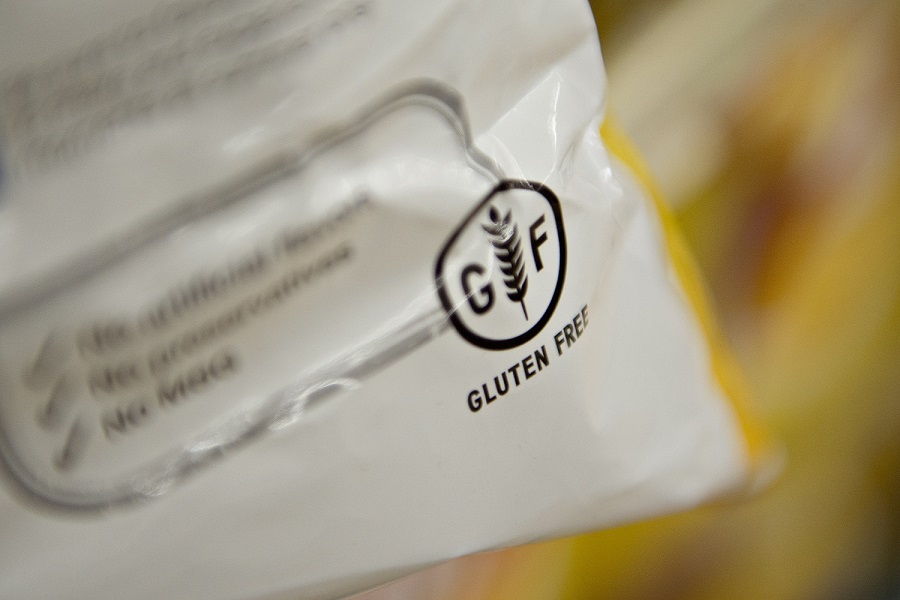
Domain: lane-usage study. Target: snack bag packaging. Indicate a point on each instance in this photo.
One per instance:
(299, 296)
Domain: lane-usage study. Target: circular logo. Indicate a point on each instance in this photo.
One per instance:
(500, 275)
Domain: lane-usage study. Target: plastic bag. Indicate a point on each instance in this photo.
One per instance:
(297, 297)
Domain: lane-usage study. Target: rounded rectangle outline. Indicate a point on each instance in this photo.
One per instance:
(508, 343)
(283, 407)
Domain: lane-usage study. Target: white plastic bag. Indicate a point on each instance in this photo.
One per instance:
(299, 296)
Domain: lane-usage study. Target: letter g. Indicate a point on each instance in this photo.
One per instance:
(486, 292)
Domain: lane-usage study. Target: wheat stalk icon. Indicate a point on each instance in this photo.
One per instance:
(508, 250)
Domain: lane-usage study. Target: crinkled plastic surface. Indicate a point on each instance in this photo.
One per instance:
(297, 297)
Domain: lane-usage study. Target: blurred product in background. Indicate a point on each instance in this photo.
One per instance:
(779, 146)
(773, 128)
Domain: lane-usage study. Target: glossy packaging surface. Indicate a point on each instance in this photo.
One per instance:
(297, 297)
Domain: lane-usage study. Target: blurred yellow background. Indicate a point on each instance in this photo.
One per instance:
(778, 144)
(773, 127)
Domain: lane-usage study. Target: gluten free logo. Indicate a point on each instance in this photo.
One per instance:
(501, 273)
